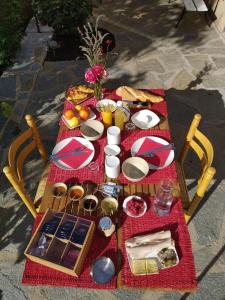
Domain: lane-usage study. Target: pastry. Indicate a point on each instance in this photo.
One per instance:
(84, 89)
(76, 95)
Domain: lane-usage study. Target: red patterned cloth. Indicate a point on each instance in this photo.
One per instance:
(179, 277)
(83, 175)
(154, 176)
(36, 274)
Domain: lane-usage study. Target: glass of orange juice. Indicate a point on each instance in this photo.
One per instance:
(107, 118)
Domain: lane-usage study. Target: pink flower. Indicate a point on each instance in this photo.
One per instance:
(90, 76)
(99, 71)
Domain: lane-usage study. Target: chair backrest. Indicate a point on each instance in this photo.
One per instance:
(201, 145)
(17, 156)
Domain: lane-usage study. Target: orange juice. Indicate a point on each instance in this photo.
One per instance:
(107, 118)
(119, 118)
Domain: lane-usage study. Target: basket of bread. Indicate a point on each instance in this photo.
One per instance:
(79, 93)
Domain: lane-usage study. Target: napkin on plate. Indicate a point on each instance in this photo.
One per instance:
(159, 157)
(75, 161)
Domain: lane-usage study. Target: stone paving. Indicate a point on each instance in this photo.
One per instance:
(189, 62)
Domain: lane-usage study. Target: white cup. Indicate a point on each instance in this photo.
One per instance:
(113, 135)
(112, 166)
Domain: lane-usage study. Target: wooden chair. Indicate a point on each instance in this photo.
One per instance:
(16, 159)
(204, 150)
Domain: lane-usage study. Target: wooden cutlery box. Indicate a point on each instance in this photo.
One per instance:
(61, 241)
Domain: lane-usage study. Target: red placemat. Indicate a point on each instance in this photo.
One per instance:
(36, 274)
(154, 176)
(181, 276)
(85, 174)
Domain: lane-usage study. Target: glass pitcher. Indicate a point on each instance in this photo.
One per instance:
(163, 198)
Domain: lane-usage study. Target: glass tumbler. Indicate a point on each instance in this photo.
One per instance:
(163, 198)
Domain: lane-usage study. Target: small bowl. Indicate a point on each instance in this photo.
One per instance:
(59, 190)
(91, 198)
(112, 150)
(135, 168)
(106, 203)
(106, 102)
(92, 130)
(137, 198)
(75, 193)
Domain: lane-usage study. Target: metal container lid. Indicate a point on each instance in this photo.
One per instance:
(102, 270)
(105, 223)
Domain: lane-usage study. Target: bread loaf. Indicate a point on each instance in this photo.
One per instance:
(128, 93)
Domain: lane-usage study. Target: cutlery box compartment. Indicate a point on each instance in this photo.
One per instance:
(61, 241)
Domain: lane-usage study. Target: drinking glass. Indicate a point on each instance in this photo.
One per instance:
(107, 118)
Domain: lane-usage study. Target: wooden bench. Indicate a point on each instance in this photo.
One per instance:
(192, 5)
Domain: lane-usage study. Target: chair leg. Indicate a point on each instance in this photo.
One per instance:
(210, 172)
(37, 23)
(181, 17)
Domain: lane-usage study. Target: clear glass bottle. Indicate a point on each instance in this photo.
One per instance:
(163, 198)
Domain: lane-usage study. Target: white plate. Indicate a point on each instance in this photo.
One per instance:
(60, 164)
(105, 102)
(145, 119)
(92, 116)
(126, 200)
(137, 144)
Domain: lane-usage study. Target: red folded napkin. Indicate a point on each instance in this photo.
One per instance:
(75, 161)
(159, 157)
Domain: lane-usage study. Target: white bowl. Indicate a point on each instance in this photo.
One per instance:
(92, 130)
(135, 168)
(126, 200)
(145, 119)
(112, 150)
(105, 102)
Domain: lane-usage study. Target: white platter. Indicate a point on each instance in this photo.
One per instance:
(145, 119)
(60, 164)
(92, 116)
(137, 145)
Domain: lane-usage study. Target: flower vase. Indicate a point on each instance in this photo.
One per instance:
(98, 91)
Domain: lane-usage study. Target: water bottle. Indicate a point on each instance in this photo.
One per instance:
(163, 198)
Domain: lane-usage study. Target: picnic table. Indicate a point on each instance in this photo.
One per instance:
(180, 277)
